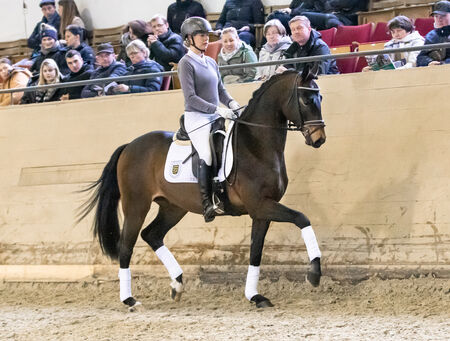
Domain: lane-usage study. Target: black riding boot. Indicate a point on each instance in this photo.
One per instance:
(204, 181)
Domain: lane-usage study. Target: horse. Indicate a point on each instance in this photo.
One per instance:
(135, 176)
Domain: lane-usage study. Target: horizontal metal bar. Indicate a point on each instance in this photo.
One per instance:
(229, 67)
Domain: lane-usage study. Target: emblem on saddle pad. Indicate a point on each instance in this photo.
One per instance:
(175, 169)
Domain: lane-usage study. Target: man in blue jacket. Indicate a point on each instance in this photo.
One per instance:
(441, 34)
(166, 47)
(306, 43)
(242, 15)
(108, 68)
(51, 17)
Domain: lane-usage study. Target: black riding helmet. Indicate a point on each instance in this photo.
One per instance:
(195, 25)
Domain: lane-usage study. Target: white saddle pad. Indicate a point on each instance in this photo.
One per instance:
(176, 171)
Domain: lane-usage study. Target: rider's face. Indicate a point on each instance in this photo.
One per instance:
(201, 40)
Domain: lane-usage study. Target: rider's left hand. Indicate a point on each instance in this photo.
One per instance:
(234, 105)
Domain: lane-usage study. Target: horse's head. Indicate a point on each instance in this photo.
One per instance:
(308, 117)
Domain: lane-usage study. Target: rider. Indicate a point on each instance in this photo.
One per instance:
(203, 89)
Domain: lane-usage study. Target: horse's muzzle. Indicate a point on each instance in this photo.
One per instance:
(315, 137)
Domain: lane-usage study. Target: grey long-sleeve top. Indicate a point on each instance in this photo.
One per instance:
(201, 83)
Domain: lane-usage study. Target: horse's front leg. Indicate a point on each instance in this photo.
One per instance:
(259, 230)
(274, 211)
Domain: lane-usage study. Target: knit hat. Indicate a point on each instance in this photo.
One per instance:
(48, 31)
(47, 2)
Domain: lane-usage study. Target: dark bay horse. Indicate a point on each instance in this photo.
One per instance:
(135, 175)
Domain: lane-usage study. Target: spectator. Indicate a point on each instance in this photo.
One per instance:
(136, 29)
(346, 10)
(180, 10)
(242, 15)
(315, 11)
(68, 11)
(79, 71)
(139, 54)
(403, 35)
(277, 43)
(74, 40)
(441, 34)
(306, 43)
(50, 48)
(49, 74)
(166, 47)
(235, 51)
(108, 68)
(12, 77)
(51, 17)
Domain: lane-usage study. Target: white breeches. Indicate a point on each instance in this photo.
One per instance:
(200, 137)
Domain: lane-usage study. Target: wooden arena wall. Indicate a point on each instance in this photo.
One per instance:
(377, 192)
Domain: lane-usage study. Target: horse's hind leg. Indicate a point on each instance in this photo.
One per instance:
(168, 216)
(134, 218)
(259, 230)
(275, 211)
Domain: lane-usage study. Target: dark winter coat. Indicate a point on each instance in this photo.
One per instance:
(41, 96)
(179, 11)
(87, 53)
(34, 41)
(116, 69)
(144, 85)
(240, 13)
(438, 35)
(58, 55)
(82, 75)
(315, 46)
(167, 49)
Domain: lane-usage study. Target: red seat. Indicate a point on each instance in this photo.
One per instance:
(424, 25)
(347, 65)
(165, 83)
(213, 49)
(349, 35)
(328, 35)
(381, 32)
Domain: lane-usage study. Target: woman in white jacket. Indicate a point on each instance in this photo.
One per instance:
(277, 43)
(403, 35)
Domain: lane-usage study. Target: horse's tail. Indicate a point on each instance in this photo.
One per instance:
(106, 197)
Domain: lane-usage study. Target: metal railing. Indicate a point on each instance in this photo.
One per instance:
(104, 81)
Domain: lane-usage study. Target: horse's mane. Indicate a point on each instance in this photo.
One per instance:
(262, 89)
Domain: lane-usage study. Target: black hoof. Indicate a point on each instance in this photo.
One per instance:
(131, 303)
(314, 273)
(261, 301)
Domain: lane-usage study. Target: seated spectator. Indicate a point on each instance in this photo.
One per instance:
(49, 74)
(180, 10)
(235, 51)
(306, 43)
(242, 15)
(346, 10)
(108, 68)
(139, 54)
(403, 35)
(277, 43)
(136, 29)
(12, 77)
(74, 40)
(79, 71)
(441, 34)
(50, 48)
(166, 47)
(68, 11)
(51, 17)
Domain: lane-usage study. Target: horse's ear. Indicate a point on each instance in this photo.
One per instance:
(309, 73)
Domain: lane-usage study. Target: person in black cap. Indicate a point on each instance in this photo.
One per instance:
(50, 48)
(108, 68)
(441, 34)
(74, 39)
(51, 17)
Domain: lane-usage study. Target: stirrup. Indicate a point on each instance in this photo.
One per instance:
(217, 204)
